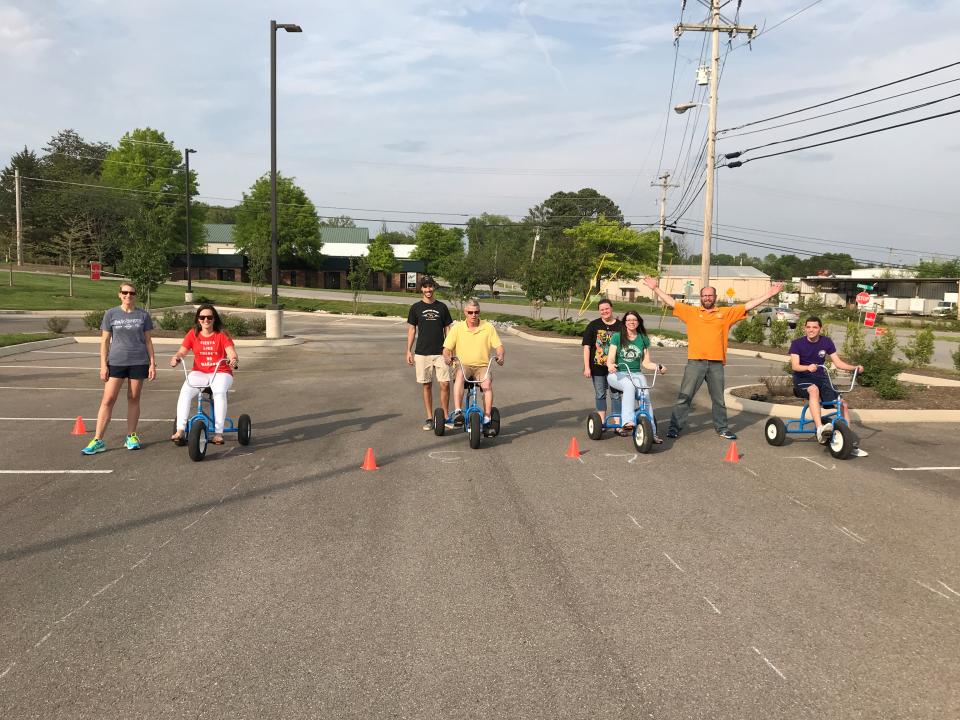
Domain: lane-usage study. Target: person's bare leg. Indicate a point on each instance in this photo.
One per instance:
(458, 390)
(813, 393)
(110, 392)
(428, 399)
(134, 387)
(445, 398)
(487, 401)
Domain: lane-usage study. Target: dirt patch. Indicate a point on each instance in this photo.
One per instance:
(919, 397)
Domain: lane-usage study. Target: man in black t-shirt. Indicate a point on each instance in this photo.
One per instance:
(429, 319)
(596, 343)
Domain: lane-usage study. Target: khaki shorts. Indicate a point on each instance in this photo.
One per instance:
(477, 372)
(430, 368)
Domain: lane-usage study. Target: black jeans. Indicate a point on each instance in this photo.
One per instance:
(693, 376)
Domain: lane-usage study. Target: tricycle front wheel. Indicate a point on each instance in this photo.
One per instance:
(197, 441)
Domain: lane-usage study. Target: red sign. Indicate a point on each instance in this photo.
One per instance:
(879, 331)
(863, 298)
(94, 271)
(870, 319)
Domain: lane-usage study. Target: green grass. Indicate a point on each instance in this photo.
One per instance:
(7, 339)
(33, 291)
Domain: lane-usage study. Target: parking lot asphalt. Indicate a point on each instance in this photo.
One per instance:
(281, 580)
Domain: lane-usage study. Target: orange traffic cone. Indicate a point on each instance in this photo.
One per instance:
(369, 463)
(573, 450)
(78, 427)
(732, 454)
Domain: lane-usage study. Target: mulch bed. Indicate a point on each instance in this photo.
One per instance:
(919, 397)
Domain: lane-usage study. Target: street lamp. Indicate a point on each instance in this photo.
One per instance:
(683, 107)
(274, 314)
(188, 296)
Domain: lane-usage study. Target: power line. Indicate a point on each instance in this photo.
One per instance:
(845, 97)
(738, 163)
(786, 19)
(733, 155)
(842, 110)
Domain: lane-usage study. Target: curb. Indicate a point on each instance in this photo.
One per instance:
(35, 345)
(240, 342)
(792, 412)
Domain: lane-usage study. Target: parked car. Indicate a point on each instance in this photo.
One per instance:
(771, 313)
(945, 308)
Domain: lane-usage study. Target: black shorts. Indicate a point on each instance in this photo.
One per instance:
(827, 393)
(133, 372)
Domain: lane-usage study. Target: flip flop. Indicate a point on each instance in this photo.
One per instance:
(178, 439)
(217, 440)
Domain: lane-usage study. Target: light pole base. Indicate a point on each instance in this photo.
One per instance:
(274, 323)
(188, 298)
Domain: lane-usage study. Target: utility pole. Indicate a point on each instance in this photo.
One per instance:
(717, 24)
(536, 238)
(188, 295)
(663, 185)
(16, 186)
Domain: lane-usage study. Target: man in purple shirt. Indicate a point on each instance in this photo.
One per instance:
(807, 356)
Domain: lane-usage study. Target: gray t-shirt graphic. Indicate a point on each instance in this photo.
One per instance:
(128, 346)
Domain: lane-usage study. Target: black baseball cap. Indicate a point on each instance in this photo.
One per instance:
(427, 280)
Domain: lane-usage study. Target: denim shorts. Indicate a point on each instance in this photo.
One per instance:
(133, 372)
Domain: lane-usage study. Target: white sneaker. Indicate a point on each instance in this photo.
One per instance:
(823, 434)
(857, 452)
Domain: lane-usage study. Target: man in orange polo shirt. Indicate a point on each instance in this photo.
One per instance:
(708, 327)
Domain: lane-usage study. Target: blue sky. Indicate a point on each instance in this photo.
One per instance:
(443, 109)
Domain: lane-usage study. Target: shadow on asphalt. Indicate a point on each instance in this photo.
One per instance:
(282, 422)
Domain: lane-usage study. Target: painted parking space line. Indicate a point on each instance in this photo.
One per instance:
(55, 472)
(60, 389)
(72, 419)
(923, 469)
(30, 366)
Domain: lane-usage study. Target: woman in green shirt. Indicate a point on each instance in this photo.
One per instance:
(631, 349)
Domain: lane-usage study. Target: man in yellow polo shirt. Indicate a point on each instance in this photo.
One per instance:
(471, 342)
(707, 330)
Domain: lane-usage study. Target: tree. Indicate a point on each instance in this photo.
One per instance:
(461, 273)
(73, 243)
(146, 254)
(258, 264)
(565, 275)
(568, 209)
(341, 221)
(358, 277)
(298, 230)
(614, 250)
(380, 257)
(148, 164)
(497, 247)
(217, 214)
(934, 269)
(27, 162)
(434, 243)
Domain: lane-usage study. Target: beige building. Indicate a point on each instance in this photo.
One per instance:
(734, 283)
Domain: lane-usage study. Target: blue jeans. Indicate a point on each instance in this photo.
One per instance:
(600, 387)
(693, 376)
(630, 391)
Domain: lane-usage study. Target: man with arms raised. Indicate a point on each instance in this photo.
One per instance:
(708, 328)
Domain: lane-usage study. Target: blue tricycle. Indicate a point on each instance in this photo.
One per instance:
(472, 413)
(642, 417)
(841, 440)
(202, 423)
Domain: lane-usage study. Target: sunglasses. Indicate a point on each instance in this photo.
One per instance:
(204, 317)
(128, 292)
(472, 312)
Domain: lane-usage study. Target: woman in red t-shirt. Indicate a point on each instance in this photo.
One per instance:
(210, 344)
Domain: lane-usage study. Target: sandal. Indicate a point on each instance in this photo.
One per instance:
(178, 438)
(625, 431)
(217, 439)
(657, 440)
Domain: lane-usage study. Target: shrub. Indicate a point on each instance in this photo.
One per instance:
(889, 388)
(756, 330)
(779, 333)
(93, 319)
(57, 324)
(235, 325)
(741, 331)
(379, 313)
(258, 325)
(171, 320)
(919, 351)
(878, 362)
(956, 360)
(854, 344)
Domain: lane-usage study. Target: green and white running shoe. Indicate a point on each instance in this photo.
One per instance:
(132, 442)
(96, 446)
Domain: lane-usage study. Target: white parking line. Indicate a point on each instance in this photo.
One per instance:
(29, 366)
(769, 664)
(71, 419)
(947, 467)
(93, 389)
(55, 472)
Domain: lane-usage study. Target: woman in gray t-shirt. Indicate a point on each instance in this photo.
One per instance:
(126, 353)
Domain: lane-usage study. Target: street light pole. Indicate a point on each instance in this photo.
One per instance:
(188, 296)
(274, 312)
